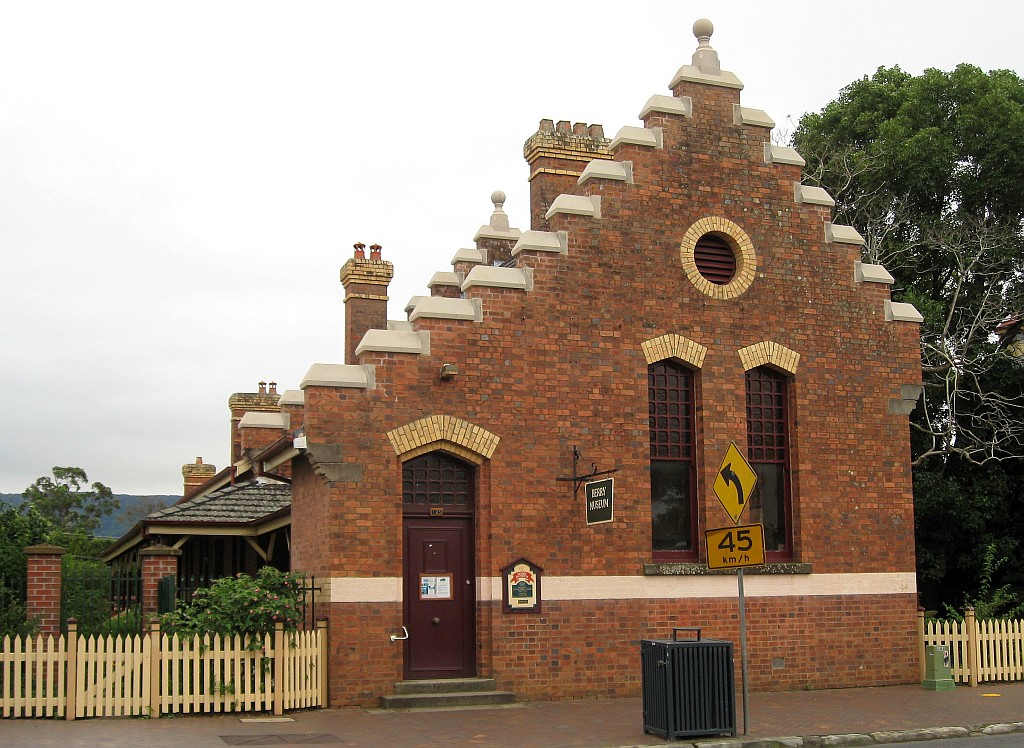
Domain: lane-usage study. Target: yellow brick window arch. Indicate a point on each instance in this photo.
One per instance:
(454, 435)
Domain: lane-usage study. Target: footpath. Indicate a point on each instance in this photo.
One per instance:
(855, 716)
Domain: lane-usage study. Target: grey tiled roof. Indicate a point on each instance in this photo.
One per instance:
(238, 504)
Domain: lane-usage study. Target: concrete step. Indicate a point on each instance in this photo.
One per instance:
(445, 685)
(448, 692)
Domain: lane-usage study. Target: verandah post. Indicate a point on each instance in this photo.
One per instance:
(973, 646)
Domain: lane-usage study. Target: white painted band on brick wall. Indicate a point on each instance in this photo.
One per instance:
(365, 589)
(389, 589)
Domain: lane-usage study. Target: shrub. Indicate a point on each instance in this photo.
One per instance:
(991, 602)
(14, 619)
(241, 605)
(85, 594)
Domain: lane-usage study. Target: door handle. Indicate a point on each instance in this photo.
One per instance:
(405, 635)
(435, 620)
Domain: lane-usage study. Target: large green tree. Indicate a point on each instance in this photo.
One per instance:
(930, 169)
(18, 530)
(69, 502)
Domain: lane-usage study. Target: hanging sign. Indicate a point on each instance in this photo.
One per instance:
(600, 498)
(521, 589)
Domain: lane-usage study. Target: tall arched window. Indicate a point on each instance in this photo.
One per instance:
(768, 454)
(439, 480)
(673, 475)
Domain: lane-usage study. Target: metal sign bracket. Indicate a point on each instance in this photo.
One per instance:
(577, 479)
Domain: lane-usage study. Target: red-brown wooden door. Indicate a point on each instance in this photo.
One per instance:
(440, 598)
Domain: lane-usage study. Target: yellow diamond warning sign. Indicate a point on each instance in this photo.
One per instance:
(734, 483)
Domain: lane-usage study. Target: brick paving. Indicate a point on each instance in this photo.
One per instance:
(598, 723)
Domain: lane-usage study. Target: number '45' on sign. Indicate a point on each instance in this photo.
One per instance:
(735, 547)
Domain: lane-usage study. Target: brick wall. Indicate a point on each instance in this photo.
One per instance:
(43, 587)
(594, 646)
(564, 365)
(158, 561)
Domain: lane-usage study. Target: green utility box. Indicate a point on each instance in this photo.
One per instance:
(937, 675)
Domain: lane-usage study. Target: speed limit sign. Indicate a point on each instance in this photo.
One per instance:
(735, 547)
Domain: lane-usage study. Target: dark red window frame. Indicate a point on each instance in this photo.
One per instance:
(768, 452)
(671, 412)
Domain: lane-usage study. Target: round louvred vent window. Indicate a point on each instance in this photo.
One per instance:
(715, 259)
(718, 257)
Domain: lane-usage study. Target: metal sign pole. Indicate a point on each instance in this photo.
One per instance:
(743, 650)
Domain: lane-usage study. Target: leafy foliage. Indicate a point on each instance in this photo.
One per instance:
(65, 501)
(991, 602)
(17, 531)
(241, 605)
(929, 169)
(86, 595)
(59, 512)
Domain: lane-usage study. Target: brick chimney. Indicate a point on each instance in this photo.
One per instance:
(241, 403)
(196, 474)
(366, 296)
(557, 155)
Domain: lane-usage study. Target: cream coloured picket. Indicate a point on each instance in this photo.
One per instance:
(74, 676)
(979, 651)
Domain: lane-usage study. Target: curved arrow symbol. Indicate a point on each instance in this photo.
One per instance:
(730, 477)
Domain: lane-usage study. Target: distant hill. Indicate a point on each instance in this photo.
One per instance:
(133, 508)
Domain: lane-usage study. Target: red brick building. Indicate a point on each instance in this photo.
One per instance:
(680, 290)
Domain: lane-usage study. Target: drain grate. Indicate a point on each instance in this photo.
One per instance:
(306, 738)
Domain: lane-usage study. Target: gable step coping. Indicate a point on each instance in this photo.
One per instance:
(394, 341)
(651, 138)
(578, 205)
(499, 277)
(542, 241)
(442, 307)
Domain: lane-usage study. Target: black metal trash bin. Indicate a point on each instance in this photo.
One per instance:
(688, 686)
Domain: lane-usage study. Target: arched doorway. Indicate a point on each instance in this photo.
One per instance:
(439, 600)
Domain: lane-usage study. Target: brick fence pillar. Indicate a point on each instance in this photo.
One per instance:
(43, 589)
(158, 561)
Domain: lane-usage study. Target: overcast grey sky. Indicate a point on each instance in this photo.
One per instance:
(181, 182)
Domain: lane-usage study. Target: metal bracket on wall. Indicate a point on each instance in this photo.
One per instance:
(577, 479)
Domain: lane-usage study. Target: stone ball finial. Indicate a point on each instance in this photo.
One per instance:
(703, 29)
(498, 198)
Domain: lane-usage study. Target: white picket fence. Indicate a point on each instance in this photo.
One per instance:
(73, 676)
(979, 651)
